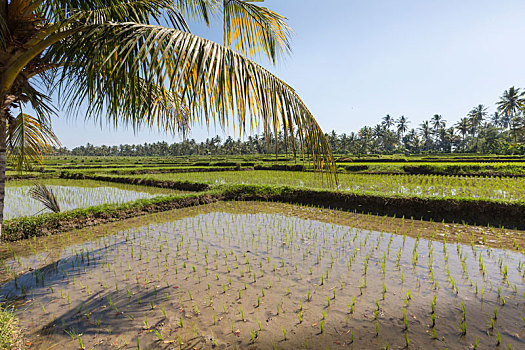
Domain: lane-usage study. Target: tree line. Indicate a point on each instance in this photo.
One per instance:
(502, 132)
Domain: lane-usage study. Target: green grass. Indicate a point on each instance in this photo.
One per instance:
(9, 332)
(455, 187)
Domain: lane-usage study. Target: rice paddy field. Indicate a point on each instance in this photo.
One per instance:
(252, 275)
(258, 275)
(72, 194)
(509, 189)
(466, 164)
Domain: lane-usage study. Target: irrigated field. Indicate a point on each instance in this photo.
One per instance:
(241, 275)
(73, 194)
(235, 275)
(492, 188)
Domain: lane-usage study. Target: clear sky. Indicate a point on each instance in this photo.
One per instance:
(354, 61)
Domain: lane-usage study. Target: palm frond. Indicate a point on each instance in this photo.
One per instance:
(105, 64)
(41, 103)
(68, 12)
(4, 29)
(28, 140)
(164, 110)
(253, 28)
(45, 195)
(199, 9)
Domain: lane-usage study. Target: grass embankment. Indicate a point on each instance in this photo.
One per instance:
(174, 185)
(41, 225)
(470, 211)
(507, 169)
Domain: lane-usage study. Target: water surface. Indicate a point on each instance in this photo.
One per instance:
(72, 194)
(214, 275)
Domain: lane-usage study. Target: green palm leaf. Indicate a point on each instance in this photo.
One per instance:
(45, 195)
(109, 63)
(28, 140)
(252, 28)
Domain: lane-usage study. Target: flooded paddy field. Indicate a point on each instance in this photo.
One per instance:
(473, 187)
(72, 194)
(264, 275)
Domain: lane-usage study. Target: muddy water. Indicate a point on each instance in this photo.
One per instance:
(214, 276)
(72, 194)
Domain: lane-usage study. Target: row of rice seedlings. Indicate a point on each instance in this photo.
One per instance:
(500, 188)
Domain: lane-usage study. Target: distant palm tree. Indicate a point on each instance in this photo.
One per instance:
(388, 121)
(438, 123)
(512, 102)
(450, 138)
(402, 126)
(505, 120)
(463, 126)
(379, 130)
(412, 139)
(426, 133)
(515, 126)
(351, 142)
(476, 116)
(496, 119)
(365, 135)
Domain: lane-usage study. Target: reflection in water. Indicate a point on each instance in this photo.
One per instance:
(71, 195)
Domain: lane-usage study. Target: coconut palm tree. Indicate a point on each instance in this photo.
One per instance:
(388, 121)
(516, 124)
(438, 123)
(402, 126)
(412, 141)
(476, 116)
(426, 131)
(463, 126)
(136, 63)
(365, 136)
(511, 102)
(495, 119)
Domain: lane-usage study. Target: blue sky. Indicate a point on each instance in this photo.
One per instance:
(354, 61)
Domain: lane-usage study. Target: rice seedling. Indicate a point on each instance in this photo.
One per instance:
(77, 337)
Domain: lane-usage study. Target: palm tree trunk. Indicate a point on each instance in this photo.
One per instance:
(3, 160)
